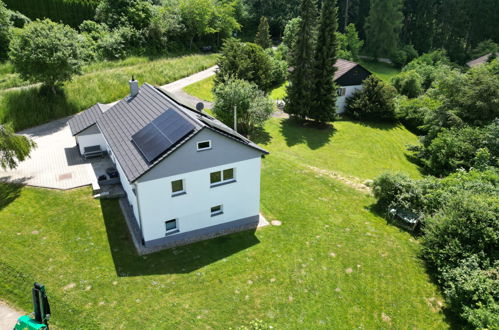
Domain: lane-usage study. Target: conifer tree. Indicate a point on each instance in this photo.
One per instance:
(324, 108)
(383, 26)
(300, 91)
(262, 37)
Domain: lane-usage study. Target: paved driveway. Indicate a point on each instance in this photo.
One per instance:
(56, 162)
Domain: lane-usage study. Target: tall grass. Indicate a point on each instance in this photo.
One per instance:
(31, 107)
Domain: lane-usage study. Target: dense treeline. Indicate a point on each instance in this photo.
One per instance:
(71, 12)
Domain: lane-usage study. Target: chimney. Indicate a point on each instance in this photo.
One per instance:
(134, 87)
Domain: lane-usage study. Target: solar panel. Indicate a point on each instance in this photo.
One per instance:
(161, 134)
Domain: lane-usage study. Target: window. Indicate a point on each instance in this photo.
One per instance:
(204, 145)
(216, 210)
(341, 91)
(222, 177)
(178, 187)
(171, 225)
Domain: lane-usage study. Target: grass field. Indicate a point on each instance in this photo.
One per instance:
(29, 107)
(202, 89)
(332, 264)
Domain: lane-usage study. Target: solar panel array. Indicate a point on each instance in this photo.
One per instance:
(161, 134)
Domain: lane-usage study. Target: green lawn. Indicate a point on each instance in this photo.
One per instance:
(381, 70)
(202, 89)
(332, 264)
(101, 83)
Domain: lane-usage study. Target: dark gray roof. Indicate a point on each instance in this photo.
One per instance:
(130, 115)
(85, 119)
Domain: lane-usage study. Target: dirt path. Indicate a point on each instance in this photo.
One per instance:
(8, 316)
(351, 181)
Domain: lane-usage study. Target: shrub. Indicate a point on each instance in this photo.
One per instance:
(279, 68)
(408, 83)
(47, 52)
(429, 66)
(413, 112)
(253, 106)
(404, 55)
(5, 31)
(457, 148)
(483, 48)
(245, 61)
(375, 101)
(18, 19)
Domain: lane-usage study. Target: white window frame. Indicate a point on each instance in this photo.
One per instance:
(178, 193)
(223, 181)
(170, 231)
(342, 91)
(206, 148)
(219, 212)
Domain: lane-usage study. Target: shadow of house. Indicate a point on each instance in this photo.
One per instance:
(184, 259)
(315, 137)
(10, 190)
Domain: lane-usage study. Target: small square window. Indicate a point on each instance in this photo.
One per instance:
(171, 225)
(204, 145)
(215, 177)
(228, 174)
(177, 187)
(341, 91)
(216, 210)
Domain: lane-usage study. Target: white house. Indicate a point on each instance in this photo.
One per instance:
(186, 175)
(349, 77)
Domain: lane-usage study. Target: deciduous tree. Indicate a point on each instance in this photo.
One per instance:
(13, 148)
(47, 52)
(5, 31)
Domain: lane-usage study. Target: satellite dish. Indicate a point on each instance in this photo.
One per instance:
(200, 106)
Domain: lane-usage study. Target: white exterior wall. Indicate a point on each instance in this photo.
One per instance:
(128, 188)
(340, 100)
(240, 199)
(90, 140)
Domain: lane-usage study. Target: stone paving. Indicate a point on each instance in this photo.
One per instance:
(56, 162)
(8, 316)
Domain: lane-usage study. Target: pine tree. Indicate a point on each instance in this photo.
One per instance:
(324, 108)
(383, 26)
(262, 37)
(300, 91)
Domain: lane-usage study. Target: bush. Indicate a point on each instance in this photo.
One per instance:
(375, 101)
(413, 112)
(404, 55)
(429, 66)
(18, 19)
(457, 148)
(471, 289)
(5, 31)
(483, 48)
(253, 106)
(408, 83)
(47, 52)
(279, 68)
(245, 61)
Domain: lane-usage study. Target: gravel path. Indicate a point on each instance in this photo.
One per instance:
(8, 316)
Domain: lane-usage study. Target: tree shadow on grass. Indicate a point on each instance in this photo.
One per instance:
(314, 136)
(10, 190)
(382, 125)
(184, 259)
(34, 106)
(260, 136)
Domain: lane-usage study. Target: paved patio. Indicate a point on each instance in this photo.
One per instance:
(56, 162)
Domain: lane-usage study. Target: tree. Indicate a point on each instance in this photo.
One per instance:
(245, 61)
(375, 101)
(5, 32)
(383, 26)
(253, 106)
(46, 52)
(278, 12)
(324, 107)
(289, 38)
(13, 148)
(262, 37)
(352, 42)
(300, 90)
(117, 13)
(408, 83)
